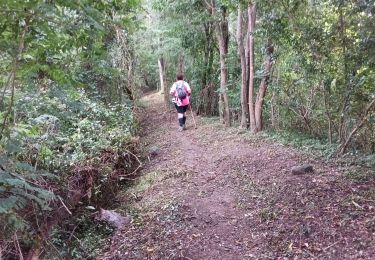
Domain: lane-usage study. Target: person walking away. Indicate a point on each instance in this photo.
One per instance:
(180, 92)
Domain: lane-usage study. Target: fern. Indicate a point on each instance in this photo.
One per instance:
(8, 204)
(18, 191)
(22, 189)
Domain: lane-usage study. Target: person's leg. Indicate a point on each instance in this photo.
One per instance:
(180, 119)
(180, 116)
(184, 117)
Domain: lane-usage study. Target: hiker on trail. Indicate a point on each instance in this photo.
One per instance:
(180, 93)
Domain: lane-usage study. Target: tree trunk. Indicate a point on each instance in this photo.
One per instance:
(181, 61)
(130, 87)
(327, 113)
(126, 58)
(349, 85)
(212, 97)
(209, 103)
(272, 111)
(12, 78)
(162, 74)
(163, 82)
(263, 88)
(252, 18)
(244, 72)
(223, 38)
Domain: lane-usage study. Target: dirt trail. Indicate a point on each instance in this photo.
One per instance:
(219, 193)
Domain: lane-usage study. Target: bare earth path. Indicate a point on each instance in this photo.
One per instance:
(219, 193)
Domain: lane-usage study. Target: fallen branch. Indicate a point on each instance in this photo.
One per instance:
(70, 213)
(324, 249)
(139, 165)
(18, 246)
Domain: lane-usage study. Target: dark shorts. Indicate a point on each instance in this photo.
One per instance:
(181, 109)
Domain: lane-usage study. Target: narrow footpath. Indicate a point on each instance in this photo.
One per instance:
(222, 193)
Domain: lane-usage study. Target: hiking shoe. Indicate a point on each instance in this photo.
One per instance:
(181, 128)
(184, 127)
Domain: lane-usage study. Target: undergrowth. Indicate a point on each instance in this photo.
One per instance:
(66, 151)
(81, 238)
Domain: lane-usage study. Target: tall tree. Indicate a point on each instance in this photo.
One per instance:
(163, 80)
(244, 66)
(251, 24)
(181, 64)
(162, 64)
(223, 40)
(263, 87)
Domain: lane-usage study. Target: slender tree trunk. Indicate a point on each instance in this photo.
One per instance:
(223, 38)
(272, 108)
(126, 64)
(328, 114)
(209, 104)
(244, 72)
(263, 88)
(349, 85)
(251, 24)
(145, 78)
(181, 63)
(247, 49)
(7, 84)
(12, 79)
(163, 81)
(247, 63)
(275, 121)
(162, 74)
(131, 77)
(212, 96)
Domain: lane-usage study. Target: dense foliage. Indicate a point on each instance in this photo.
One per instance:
(66, 105)
(323, 54)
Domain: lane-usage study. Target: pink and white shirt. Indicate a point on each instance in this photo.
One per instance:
(176, 99)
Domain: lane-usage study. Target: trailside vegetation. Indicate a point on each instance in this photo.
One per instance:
(67, 120)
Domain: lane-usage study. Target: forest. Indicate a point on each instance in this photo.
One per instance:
(74, 120)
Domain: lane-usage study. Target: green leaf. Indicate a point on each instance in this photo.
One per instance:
(13, 146)
(6, 204)
(22, 166)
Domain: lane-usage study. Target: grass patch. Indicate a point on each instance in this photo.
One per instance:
(211, 120)
(370, 194)
(144, 182)
(360, 175)
(136, 216)
(176, 174)
(302, 141)
(268, 214)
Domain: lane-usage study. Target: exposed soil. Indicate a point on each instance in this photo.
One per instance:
(222, 193)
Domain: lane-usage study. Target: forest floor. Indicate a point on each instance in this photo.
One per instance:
(222, 193)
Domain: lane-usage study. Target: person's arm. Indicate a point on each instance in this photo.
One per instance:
(188, 89)
(172, 93)
(173, 90)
